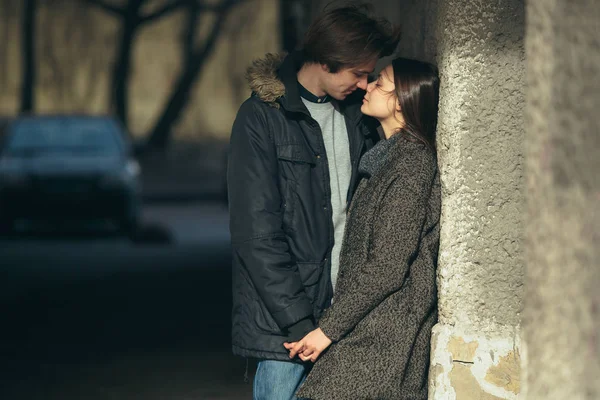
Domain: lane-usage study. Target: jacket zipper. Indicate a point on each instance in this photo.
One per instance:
(327, 206)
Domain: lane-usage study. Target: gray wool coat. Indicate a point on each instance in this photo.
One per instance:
(385, 303)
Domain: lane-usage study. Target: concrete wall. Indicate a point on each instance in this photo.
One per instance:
(562, 313)
(76, 46)
(476, 345)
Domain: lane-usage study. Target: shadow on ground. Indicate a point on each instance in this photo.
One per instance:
(91, 317)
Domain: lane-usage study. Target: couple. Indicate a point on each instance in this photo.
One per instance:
(334, 232)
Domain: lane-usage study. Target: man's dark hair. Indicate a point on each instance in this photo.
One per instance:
(347, 36)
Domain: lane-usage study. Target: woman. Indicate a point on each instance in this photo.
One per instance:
(378, 329)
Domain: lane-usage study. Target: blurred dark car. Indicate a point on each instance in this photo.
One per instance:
(4, 121)
(68, 168)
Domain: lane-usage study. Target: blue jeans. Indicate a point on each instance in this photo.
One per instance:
(277, 380)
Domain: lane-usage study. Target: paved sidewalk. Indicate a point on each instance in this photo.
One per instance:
(160, 375)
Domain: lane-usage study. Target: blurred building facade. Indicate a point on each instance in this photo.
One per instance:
(76, 45)
(561, 316)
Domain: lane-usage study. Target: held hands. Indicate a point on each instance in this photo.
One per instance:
(310, 347)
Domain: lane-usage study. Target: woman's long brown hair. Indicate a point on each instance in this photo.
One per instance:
(417, 89)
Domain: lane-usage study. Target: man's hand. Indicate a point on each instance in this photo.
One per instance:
(310, 347)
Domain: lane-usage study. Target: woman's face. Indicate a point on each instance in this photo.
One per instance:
(380, 100)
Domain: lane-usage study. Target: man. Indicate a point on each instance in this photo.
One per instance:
(294, 153)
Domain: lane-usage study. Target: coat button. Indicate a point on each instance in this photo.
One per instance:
(318, 156)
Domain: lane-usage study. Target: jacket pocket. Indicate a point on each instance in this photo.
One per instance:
(297, 153)
(250, 311)
(295, 164)
(310, 273)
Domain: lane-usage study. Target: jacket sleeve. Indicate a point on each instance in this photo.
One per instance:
(394, 241)
(258, 240)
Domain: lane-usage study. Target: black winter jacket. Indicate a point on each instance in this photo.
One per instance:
(280, 209)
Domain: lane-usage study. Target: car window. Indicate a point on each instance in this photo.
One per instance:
(67, 134)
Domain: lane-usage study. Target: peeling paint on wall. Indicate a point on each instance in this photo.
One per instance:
(473, 366)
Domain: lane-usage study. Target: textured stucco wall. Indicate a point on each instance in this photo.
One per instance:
(562, 303)
(481, 130)
(480, 53)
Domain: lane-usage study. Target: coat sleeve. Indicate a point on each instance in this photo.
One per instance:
(258, 241)
(394, 241)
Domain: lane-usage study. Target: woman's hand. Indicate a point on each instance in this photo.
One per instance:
(310, 347)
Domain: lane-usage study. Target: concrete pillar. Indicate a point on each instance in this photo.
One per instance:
(476, 345)
(562, 302)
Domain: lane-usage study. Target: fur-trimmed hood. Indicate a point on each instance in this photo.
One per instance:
(263, 79)
(273, 80)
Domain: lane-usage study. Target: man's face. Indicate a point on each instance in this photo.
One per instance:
(346, 80)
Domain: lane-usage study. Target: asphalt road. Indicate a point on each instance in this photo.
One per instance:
(96, 316)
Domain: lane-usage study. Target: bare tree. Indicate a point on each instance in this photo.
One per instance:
(6, 15)
(133, 18)
(236, 29)
(189, 35)
(194, 55)
(28, 45)
(196, 59)
(68, 49)
(91, 59)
